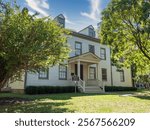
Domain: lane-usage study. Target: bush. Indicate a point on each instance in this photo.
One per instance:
(49, 89)
(117, 88)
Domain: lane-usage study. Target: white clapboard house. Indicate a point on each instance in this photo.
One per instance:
(89, 60)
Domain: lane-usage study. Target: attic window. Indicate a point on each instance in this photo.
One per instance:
(91, 32)
(61, 21)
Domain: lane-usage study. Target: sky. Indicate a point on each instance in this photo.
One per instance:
(78, 13)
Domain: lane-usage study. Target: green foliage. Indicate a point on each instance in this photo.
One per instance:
(126, 28)
(117, 88)
(28, 43)
(49, 89)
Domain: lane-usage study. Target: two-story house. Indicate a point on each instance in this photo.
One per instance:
(89, 60)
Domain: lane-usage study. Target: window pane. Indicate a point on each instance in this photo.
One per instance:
(103, 53)
(122, 79)
(91, 32)
(62, 72)
(104, 74)
(61, 22)
(78, 52)
(43, 74)
(91, 49)
(92, 74)
(78, 48)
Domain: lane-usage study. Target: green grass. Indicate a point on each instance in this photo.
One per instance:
(90, 103)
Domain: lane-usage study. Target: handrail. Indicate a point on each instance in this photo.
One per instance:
(81, 84)
(101, 83)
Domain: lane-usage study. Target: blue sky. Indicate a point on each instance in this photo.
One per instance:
(78, 13)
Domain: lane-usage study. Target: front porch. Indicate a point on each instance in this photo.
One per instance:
(87, 68)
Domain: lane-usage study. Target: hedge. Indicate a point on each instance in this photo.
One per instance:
(49, 89)
(117, 88)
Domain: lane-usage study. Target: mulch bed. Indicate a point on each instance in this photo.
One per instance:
(13, 100)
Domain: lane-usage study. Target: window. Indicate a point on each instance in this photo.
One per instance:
(122, 79)
(92, 49)
(43, 73)
(78, 48)
(104, 74)
(103, 53)
(91, 32)
(61, 22)
(62, 72)
(92, 74)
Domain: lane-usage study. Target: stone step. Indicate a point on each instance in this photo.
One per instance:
(93, 89)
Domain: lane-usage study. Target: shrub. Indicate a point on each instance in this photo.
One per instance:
(117, 88)
(49, 89)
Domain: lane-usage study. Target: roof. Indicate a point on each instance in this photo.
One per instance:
(60, 16)
(90, 26)
(86, 57)
(85, 36)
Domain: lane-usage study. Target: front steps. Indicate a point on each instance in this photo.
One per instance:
(93, 89)
(90, 86)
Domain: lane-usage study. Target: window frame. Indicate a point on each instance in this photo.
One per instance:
(92, 73)
(61, 22)
(78, 49)
(42, 77)
(93, 48)
(106, 77)
(122, 76)
(91, 32)
(104, 54)
(62, 72)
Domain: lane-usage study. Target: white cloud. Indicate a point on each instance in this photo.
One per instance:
(95, 10)
(67, 20)
(39, 6)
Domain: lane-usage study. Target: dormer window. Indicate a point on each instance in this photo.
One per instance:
(91, 32)
(88, 31)
(61, 22)
(60, 19)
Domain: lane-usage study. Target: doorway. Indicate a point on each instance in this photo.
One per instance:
(81, 71)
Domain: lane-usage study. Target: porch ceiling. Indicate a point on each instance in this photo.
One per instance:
(86, 57)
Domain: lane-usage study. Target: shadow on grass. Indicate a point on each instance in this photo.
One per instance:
(145, 97)
(36, 107)
(61, 96)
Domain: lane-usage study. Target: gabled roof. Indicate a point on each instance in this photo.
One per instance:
(86, 57)
(73, 33)
(90, 26)
(61, 16)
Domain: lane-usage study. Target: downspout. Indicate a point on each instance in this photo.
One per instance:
(111, 70)
(25, 80)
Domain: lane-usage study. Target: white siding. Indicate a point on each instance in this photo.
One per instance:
(33, 80)
(18, 84)
(116, 77)
(85, 48)
(53, 79)
(85, 31)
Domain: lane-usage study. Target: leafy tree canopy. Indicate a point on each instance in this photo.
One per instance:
(28, 43)
(126, 28)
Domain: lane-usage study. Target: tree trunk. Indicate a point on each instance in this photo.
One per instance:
(4, 76)
(3, 83)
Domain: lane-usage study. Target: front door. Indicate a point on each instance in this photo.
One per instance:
(81, 71)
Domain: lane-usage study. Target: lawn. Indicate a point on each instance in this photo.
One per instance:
(76, 103)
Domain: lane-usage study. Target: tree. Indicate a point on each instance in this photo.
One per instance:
(126, 28)
(28, 43)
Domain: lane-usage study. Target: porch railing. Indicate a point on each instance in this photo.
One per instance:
(81, 84)
(101, 85)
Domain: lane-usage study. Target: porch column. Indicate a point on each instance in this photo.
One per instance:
(69, 71)
(98, 70)
(78, 73)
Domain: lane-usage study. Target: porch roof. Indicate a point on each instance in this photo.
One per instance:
(85, 57)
